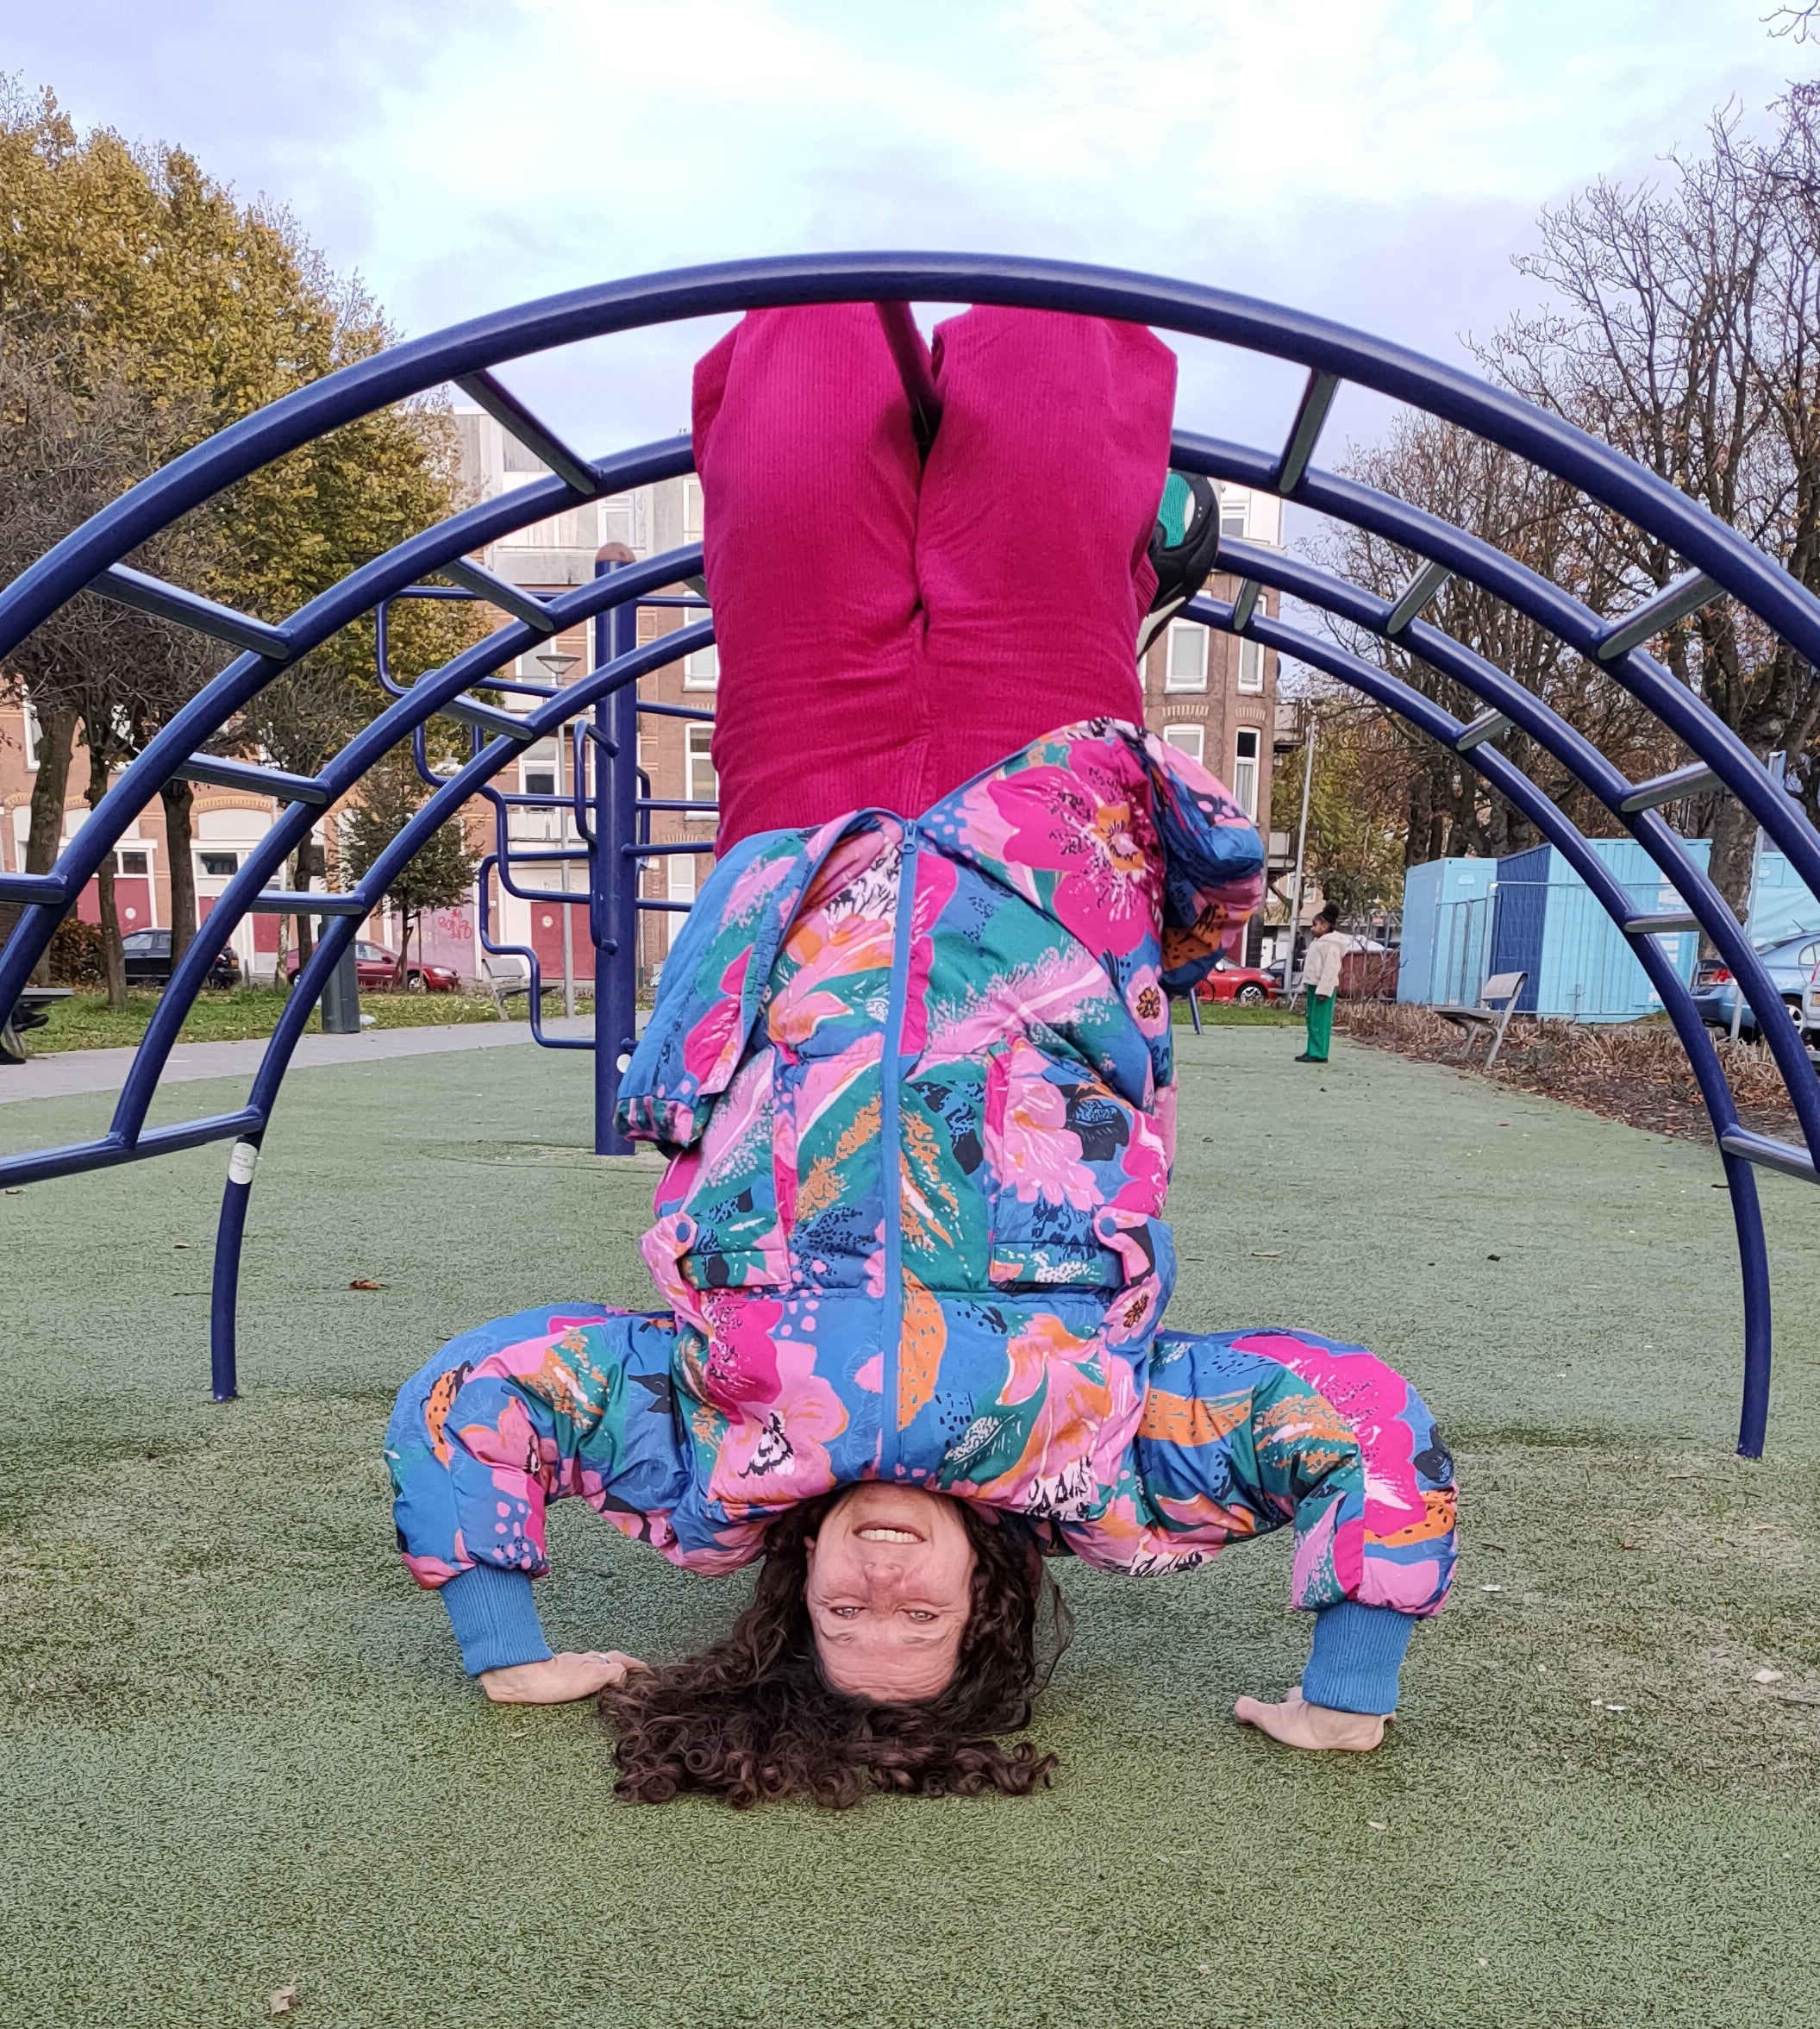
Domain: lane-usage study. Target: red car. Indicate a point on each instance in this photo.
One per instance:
(1244, 984)
(377, 970)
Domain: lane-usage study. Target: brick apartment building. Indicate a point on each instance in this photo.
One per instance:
(225, 825)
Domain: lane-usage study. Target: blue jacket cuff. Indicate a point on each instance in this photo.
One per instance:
(1357, 1657)
(495, 1619)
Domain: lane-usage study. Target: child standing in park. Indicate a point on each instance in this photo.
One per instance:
(1321, 984)
(912, 1064)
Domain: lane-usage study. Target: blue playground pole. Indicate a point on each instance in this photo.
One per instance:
(613, 872)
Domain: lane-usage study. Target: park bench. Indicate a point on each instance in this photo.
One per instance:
(503, 979)
(27, 1013)
(1491, 1016)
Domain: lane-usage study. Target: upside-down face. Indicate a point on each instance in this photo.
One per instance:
(890, 1590)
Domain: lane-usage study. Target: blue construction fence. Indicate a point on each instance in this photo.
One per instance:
(1466, 920)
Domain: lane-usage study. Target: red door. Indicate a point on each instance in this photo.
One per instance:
(133, 902)
(547, 939)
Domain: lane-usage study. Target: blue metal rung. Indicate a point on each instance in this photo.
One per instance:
(543, 442)
(1697, 781)
(47, 890)
(1769, 1154)
(1318, 398)
(501, 592)
(276, 783)
(1489, 725)
(1686, 594)
(490, 719)
(675, 712)
(1416, 594)
(202, 615)
(278, 901)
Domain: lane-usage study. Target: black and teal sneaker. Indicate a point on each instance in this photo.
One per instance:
(1183, 548)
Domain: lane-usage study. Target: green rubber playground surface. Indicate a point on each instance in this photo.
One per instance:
(236, 1754)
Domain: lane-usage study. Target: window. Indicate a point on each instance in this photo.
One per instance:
(692, 509)
(701, 785)
(1251, 665)
(1190, 739)
(1187, 657)
(1232, 517)
(538, 770)
(619, 520)
(134, 862)
(679, 869)
(1245, 773)
(218, 866)
(142, 942)
(518, 458)
(701, 670)
(34, 734)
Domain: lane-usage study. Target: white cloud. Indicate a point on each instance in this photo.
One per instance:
(1378, 159)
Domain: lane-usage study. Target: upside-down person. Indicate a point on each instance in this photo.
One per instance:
(911, 1064)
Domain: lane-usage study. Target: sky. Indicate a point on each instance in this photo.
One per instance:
(1379, 161)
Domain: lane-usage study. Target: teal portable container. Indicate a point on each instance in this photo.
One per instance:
(1447, 931)
(1580, 964)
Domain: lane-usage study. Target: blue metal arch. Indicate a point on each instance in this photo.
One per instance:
(91, 557)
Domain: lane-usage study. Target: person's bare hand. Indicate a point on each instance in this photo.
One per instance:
(558, 1679)
(1297, 1723)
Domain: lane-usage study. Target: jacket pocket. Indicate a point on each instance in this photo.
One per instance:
(728, 1187)
(1062, 1149)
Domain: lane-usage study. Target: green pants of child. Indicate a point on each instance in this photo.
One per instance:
(1320, 1012)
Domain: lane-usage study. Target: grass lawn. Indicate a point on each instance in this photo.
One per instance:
(1223, 1014)
(236, 1753)
(86, 1022)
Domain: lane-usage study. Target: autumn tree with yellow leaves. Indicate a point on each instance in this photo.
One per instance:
(143, 307)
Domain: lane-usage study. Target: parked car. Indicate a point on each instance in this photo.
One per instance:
(1248, 985)
(148, 961)
(1793, 965)
(376, 971)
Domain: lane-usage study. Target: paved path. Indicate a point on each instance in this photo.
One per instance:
(106, 1070)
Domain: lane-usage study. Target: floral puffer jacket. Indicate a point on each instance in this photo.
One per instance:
(915, 1078)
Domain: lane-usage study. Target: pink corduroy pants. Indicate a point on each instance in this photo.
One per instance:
(887, 629)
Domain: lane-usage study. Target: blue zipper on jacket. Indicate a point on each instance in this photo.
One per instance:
(891, 1072)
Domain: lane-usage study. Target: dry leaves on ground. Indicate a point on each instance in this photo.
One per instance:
(1636, 1072)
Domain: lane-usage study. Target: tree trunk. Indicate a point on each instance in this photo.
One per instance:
(1416, 838)
(113, 957)
(178, 798)
(308, 862)
(1733, 843)
(56, 743)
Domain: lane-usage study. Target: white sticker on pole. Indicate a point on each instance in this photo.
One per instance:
(242, 1162)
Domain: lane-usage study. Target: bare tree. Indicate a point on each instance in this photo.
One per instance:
(1799, 24)
(1541, 521)
(1685, 332)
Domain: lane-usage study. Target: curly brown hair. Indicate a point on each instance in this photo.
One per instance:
(753, 1719)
